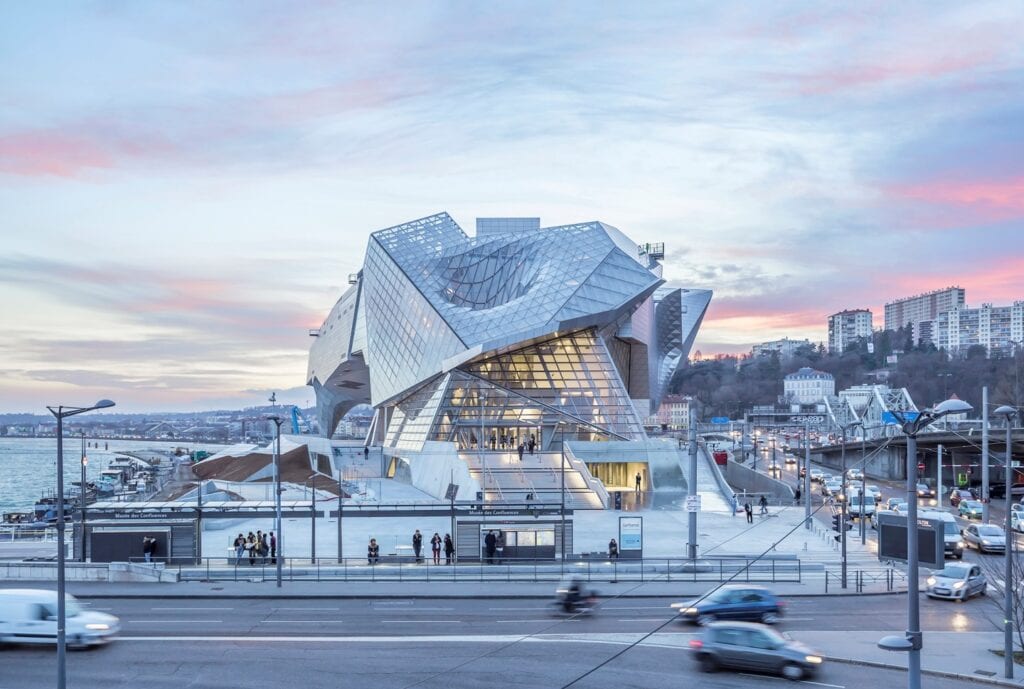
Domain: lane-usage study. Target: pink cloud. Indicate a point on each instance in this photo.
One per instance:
(991, 200)
(898, 69)
(51, 153)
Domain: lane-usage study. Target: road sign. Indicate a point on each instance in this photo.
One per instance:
(720, 420)
(890, 419)
(892, 539)
(693, 503)
(453, 490)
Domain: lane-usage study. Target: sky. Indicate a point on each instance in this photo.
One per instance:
(185, 187)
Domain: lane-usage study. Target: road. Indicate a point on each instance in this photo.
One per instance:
(222, 643)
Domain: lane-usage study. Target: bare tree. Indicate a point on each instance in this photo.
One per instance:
(994, 569)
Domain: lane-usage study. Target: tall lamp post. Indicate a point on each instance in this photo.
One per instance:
(61, 412)
(277, 420)
(912, 641)
(844, 499)
(85, 463)
(1008, 413)
(561, 430)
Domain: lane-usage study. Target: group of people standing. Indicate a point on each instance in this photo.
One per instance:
(258, 545)
(436, 545)
(511, 442)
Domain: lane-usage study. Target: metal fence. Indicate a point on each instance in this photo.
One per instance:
(867, 581)
(738, 569)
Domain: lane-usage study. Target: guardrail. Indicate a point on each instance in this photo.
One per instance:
(13, 532)
(868, 580)
(393, 568)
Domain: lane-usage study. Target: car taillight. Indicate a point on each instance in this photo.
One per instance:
(696, 643)
(780, 603)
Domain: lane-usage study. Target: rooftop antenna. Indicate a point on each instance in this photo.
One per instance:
(273, 399)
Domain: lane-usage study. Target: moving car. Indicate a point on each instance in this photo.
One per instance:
(877, 493)
(861, 506)
(890, 504)
(952, 540)
(958, 494)
(790, 459)
(925, 491)
(958, 581)
(970, 509)
(817, 474)
(733, 602)
(854, 474)
(29, 616)
(1017, 517)
(987, 538)
(753, 647)
(774, 469)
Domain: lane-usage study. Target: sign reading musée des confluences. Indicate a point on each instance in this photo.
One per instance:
(631, 533)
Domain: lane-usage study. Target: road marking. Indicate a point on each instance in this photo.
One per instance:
(420, 621)
(638, 607)
(188, 608)
(173, 621)
(798, 619)
(803, 681)
(310, 609)
(393, 602)
(645, 619)
(300, 622)
(543, 607)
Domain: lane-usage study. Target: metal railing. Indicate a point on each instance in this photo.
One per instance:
(14, 532)
(393, 568)
(868, 580)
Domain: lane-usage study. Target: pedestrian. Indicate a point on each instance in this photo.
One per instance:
(372, 552)
(499, 545)
(148, 548)
(449, 549)
(417, 545)
(239, 548)
(259, 546)
(490, 545)
(796, 495)
(613, 549)
(435, 548)
(264, 548)
(750, 512)
(273, 548)
(735, 505)
(250, 545)
(533, 442)
(520, 450)
(639, 478)
(763, 503)
(366, 453)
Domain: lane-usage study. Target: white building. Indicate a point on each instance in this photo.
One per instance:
(673, 413)
(847, 327)
(808, 386)
(995, 328)
(785, 348)
(916, 311)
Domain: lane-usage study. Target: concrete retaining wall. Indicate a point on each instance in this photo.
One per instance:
(742, 478)
(77, 571)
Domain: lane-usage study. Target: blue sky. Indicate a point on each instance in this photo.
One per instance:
(186, 186)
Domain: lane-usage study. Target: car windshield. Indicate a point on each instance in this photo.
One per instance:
(990, 530)
(951, 528)
(954, 571)
(972, 504)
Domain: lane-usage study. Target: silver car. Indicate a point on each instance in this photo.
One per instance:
(957, 581)
(753, 647)
(987, 538)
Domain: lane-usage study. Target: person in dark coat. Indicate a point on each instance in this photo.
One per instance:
(763, 503)
(490, 545)
(449, 549)
(417, 544)
(148, 548)
(273, 548)
(520, 449)
(372, 552)
(613, 549)
(639, 478)
(796, 495)
(435, 548)
(750, 512)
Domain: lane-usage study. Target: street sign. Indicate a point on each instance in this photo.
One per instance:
(720, 420)
(693, 503)
(892, 539)
(890, 419)
(453, 490)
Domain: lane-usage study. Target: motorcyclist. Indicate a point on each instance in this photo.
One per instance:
(571, 594)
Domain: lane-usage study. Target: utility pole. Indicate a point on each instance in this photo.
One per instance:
(691, 479)
(938, 480)
(863, 486)
(807, 474)
(842, 511)
(984, 460)
(1008, 413)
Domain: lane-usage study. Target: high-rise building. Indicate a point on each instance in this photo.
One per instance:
(996, 328)
(914, 311)
(469, 348)
(847, 327)
(785, 347)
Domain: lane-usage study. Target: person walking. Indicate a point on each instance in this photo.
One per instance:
(639, 478)
(490, 544)
(366, 453)
(613, 549)
(763, 503)
(520, 450)
(735, 505)
(796, 495)
(372, 552)
(750, 512)
(533, 442)
(417, 545)
(273, 548)
(449, 549)
(435, 548)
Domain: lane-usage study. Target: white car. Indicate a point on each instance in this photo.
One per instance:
(817, 474)
(29, 616)
(957, 581)
(1017, 519)
(854, 474)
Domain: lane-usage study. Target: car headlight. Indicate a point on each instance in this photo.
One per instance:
(984, 541)
(931, 581)
(98, 626)
(691, 611)
(813, 660)
(961, 545)
(958, 585)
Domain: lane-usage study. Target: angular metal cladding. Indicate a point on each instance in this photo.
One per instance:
(430, 299)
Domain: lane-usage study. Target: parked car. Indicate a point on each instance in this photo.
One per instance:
(958, 494)
(987, 538)
(970, 509)
(29, 616)
(753, 647)
(958, 581)
(733, 602)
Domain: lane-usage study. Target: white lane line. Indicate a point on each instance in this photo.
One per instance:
(392, 602)
(638, 607)
(543, 607)
(797, 619)
(300, 621)
(421, 621)
(805, 681)
(310, 609)
(645, 619)
(173, 621)
(543, 619)
(188, 608)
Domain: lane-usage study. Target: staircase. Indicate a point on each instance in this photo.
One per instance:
(507, 480)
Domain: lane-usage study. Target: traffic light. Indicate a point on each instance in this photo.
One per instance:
(835, 521)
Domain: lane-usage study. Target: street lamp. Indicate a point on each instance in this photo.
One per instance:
(844, 499)
(561, 430)
(61, 412)
(277, 496)
(85, 463)
(912, 641)
(1008, 413)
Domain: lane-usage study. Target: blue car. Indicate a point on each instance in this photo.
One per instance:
(733, 602)
(970, 509)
